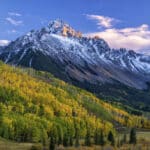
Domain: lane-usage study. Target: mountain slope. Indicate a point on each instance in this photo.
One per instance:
(32, 103)
(85, 62)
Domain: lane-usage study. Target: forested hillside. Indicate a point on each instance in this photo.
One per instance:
(116, 75)
(34, 104)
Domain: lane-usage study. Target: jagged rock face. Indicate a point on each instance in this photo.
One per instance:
(67, 54)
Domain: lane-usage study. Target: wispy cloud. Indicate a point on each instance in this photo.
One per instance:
(103, 21)
(4, 42)
(44, 22)
(13, 31)
(14, 21)
(14, 14)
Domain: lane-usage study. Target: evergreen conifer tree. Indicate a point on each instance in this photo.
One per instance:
(96, 137)
(132, 136)
(101, 139)
(88, 138)
(111, 138)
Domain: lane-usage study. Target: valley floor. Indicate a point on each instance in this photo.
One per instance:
(142, 144)
(8, 145)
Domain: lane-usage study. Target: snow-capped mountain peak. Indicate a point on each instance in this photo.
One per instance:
(62, 28)
(59, 47)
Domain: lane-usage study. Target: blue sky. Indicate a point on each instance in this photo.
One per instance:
(124, 20)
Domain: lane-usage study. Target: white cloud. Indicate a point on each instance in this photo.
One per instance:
(14, 14)
(14, 22)
(13, 31)
(4, 42)
(103, 21)
(137, 38)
